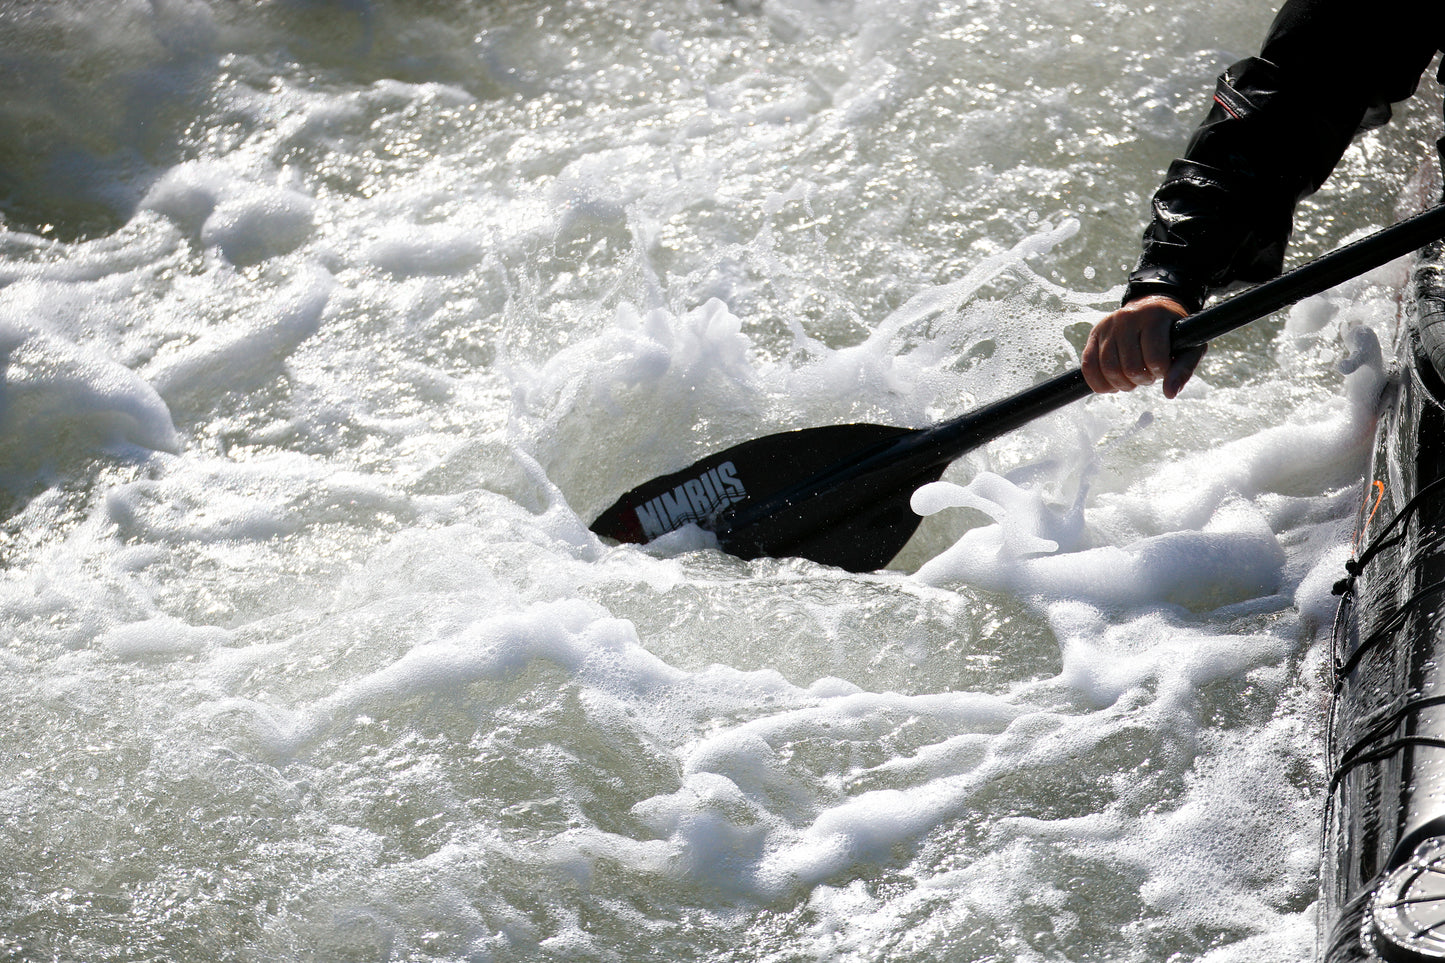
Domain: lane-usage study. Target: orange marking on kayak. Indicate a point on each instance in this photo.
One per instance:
(1379, 488)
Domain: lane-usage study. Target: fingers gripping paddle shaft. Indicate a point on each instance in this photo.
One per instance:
(839, 495)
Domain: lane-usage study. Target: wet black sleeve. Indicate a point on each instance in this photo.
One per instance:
(1278, 125)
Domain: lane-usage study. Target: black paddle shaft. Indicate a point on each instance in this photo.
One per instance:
(921, 455)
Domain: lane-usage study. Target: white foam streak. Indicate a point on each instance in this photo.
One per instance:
(576, 637)
(248, 354)
(161, 638)
(57, 391)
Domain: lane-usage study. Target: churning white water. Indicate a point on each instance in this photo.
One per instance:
(327, 329)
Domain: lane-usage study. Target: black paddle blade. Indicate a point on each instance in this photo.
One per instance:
(758, 498)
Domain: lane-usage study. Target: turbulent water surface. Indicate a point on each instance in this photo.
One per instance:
(327, 327)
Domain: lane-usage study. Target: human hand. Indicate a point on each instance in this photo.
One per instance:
(1130, 348)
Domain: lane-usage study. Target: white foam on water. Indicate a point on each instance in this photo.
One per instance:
(160, 638)
(238, 360)
(59, 387)
(245, 222)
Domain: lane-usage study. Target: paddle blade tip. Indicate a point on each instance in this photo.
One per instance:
(620, 524)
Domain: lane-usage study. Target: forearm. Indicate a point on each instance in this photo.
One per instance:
(1223, 212)
(1278, 125)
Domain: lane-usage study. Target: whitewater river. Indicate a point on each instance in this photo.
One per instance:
(328, 327)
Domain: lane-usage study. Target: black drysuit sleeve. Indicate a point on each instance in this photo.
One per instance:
(1278, 126)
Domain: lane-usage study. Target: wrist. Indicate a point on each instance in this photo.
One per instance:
(1168, 303)
(1159, 286)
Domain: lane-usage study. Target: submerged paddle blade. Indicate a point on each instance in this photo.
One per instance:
(860, 535)
(724, 493)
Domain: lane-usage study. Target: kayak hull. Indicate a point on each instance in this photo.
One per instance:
(1383, 879)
